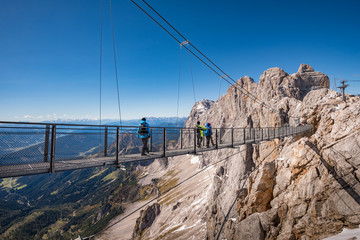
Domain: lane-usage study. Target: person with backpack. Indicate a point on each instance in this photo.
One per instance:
(144, 133)
(199, 133)
(208, 134)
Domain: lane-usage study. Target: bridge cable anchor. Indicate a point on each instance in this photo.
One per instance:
(184, 43)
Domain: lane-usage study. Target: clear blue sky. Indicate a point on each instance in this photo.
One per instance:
(49, 52)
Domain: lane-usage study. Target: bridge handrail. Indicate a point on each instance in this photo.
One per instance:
(28, 143)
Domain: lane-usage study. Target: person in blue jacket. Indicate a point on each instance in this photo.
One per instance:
(144, 133)
(208, 134)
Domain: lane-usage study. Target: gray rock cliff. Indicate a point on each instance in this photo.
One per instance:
(306, 187)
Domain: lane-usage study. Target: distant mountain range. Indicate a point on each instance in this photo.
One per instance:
(153, 121)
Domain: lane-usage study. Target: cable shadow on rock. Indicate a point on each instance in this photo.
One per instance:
(343, 183)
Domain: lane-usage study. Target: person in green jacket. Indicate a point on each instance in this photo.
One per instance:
(199, 133)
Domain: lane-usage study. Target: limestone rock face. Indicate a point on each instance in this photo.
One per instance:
(302, 187)
(145, 220)
(200, 107)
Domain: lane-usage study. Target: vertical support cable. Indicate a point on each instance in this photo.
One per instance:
(46, 143)
(100, 110)
(192, 77)
(52, 154)
(178, 96)
(116, 73)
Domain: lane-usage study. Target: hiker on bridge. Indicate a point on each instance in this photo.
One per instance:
(284, 118)
(250, 124)
(144, 133)
(208, 134)
(199, 133)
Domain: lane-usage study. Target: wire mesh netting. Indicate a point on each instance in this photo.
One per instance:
(22, 145)
(41, 143)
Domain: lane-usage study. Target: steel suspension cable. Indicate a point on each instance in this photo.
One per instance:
(178, 93)
(245, 91)
(116, 73)
(137, 5)
(182, 36)
(101, 30)
(192, 78)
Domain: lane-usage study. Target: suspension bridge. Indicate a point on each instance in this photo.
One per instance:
(36, 148)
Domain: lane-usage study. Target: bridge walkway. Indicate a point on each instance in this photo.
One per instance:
(49, 156)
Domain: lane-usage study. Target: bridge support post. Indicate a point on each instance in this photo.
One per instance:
(52, 154)
(105, 141)
(232, 137)
(46, 142)
(244, 135)
(274, 133)
(216, 139)
(181, 138)
(164, 141)
(194, 140)
(151, 145)
(117, 146)
(254, 137)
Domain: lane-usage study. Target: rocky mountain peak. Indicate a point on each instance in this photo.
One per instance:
(199, 109)
(276, 82)
(305, 68)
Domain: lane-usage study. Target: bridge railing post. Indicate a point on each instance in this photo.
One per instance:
(254, 134)
(46, 142)
(232, 137)
(117, 146)
(181, 138)
(151, 139)
(262, 134)
(195, 138)
(53, 143)
(105, 141)
(164, 141)
(275, 136)
(244, 135)
(216, 139)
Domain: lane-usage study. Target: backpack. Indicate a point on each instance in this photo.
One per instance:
(198, 129)
(143, 129)
(208, 132)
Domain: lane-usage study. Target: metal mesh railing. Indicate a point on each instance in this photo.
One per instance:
(21, 146)
(29, 143)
